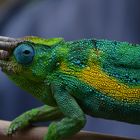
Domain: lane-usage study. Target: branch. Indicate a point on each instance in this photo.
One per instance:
(37, 133)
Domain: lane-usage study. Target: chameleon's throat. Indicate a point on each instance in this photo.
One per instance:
(4, 65)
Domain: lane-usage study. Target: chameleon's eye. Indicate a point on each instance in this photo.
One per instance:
(24, 54)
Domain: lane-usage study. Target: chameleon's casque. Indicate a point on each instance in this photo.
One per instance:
(100, 78)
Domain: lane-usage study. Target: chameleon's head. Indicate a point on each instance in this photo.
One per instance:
(28, 57)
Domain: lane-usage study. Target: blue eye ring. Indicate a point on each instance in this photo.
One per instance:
(24, 53)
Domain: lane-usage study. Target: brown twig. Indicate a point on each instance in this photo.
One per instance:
(37, 133)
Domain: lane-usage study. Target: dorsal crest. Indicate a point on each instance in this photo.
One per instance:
(48, 42)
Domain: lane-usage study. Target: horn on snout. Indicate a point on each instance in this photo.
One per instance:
(7, 39)
(7, 43)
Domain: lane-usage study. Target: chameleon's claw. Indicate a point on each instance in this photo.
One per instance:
(12, 129)
(18, 124)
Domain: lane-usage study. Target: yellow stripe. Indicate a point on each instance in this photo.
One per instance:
(109, 86)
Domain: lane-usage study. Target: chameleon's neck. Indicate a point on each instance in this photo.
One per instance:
(39, 89)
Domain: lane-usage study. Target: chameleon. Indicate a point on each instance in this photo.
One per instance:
(95, 77)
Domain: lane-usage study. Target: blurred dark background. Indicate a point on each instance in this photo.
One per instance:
(72, 20)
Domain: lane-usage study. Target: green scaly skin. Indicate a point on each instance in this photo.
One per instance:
(61, 75)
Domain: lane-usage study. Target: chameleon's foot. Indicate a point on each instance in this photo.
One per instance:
(51, 135)
(17, 124)
(12, 129)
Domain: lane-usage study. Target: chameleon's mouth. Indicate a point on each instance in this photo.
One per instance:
(7, 45)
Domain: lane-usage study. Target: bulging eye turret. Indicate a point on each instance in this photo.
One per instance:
(24, 54)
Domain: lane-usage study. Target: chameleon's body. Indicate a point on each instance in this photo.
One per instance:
(96, 77)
